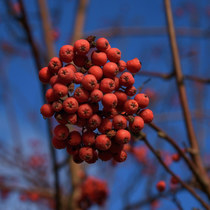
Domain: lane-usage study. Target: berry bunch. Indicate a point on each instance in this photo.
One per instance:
(95, 95)
(93, 191)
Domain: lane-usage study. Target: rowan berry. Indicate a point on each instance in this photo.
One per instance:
(133, 65)
(102, 44)
(98, 58)
(121, 97)
(61, 118)
(81, 95)
(117, 83)
(131, 106)
(47, 110)
(74, 138)
(114, 55)
(137, 124)
(126, 79)
(88, 138)
(89, 82)
(102, 142)
(72, 150)
(105, 155)
(50, 96)
(53, 80)
(107, 85)
(65, 75)
(57, 106)
(78, 77)
(86, 153)
(176, 157)
(109, 113)
(105, 126)
(80, 60)
(119, 122)
(142, 100)
(161, 185)
(174, 180)
(70, 105)
(96, 96)
(77, 159)
(122, 65)
(130, 91)
(85, 111)
(66, 53)
(58, 144)
(122, 136)
(61, 132)
(94, 122)
(109, 100)
(72, 67)
(94, 158)
(81, 47)
(71, 118)
(60, 90)
(110, 70)
(96, 71)
(54, 65)
(45, 75)
(121, 156)
(147, 115)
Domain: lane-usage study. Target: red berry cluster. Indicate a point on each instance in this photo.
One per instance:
(87, 92)
(93, 191)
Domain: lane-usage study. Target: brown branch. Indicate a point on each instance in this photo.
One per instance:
(35, 53)
(166, 76)
(183, 184)
(76, 168)
(182, 94)
(149, 31)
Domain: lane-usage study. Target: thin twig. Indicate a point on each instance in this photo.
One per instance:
(35, 53)
(182, 94)
(183, 184)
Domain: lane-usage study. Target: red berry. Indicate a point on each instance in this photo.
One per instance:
(70, 105)
(77, 159)
(109, 113)
(58, 144)
(176, 157)
(54, 80)
(50, 96)
(96, 71)
(122, 136)
(54, 65)
(121, 156)
(74, 138)
(94, 122)
(98, 58)
(122, 65)
(105, 155)
(105, 126)
(119, 122)
(134, 65)
(60, 90)
(161, 185)
(71, 118)
(80, 60)
(45, 75)
(147, 115)
(81, 95)
(72, 67)
(114, 55)
(61, 132)
(107, 85)
(61, 118)
(78, 77)
(137, 124)
(88, 138)
(102, 142)
(110, 70)
(142, 100)
(117, 83)
(81, 47)
(96, 96)
(126, 79)
(109, 100)
(85, 111)
(66, 75)
(57, 106)
(89, 82)
(131, 106)
(102, 44)
(121, 97)
(66, 53)
(130, 91)
(174, 180)
(86, 153)
(47, 110)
